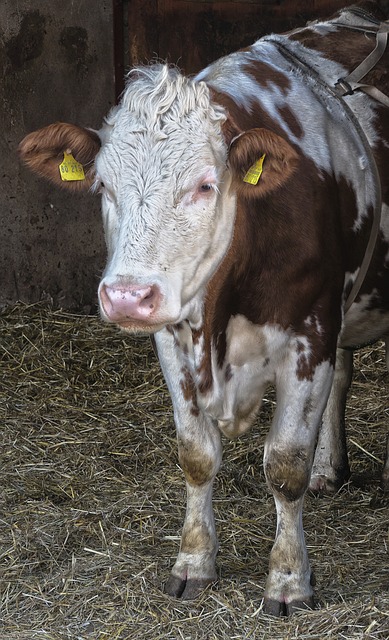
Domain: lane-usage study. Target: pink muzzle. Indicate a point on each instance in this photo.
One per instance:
(125, 303)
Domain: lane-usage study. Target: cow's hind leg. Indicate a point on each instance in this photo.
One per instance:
(199, 451)
(331, 468)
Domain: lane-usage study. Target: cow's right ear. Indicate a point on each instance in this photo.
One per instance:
(45, 150)
(260, 162)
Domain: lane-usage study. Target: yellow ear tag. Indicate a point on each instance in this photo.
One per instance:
(254, 173)
(70, 169)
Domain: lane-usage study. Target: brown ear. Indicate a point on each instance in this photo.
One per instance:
(43, 151)
(279, 163)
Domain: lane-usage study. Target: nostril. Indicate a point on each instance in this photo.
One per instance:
(148, 298)
(128, 302)
(104, 297)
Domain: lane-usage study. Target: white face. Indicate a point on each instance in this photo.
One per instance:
(167, 211)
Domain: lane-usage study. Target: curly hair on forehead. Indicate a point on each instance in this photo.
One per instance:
(159, 93)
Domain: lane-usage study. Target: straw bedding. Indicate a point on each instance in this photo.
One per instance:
(92, 500)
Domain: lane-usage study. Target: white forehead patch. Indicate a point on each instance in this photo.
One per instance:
(165, 130)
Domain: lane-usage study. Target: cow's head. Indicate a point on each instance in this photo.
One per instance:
(169, 165)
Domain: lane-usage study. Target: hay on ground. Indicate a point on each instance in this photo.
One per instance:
(92, 500)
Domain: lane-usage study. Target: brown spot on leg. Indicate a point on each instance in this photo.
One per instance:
(189, 391)
(288, 473)
(197, 466)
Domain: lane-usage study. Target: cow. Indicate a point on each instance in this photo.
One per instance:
(247, 230)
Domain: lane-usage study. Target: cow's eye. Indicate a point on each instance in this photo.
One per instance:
(106, 192)
(204, 188)
(98, 187)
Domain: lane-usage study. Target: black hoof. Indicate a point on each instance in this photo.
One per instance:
(186, 589)
(283, 609)
(300, 605)
(321, 485)
(175, 586)
(274, 608)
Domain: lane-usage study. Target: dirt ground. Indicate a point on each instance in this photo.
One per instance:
(92, 500)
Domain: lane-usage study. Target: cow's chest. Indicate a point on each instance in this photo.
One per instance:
(229, 386)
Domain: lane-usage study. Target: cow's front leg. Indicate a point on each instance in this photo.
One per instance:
(288, 457)
(199, 450)
(330, 467)
(289, 584)
(200, 453)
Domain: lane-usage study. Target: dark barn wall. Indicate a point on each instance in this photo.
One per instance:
(193, 33)
(57, 64)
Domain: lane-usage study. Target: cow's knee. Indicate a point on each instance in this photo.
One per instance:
(288, 472)
(199, 465)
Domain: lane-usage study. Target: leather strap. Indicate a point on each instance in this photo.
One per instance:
(346, 86)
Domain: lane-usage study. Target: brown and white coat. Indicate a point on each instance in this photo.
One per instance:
(244, 285)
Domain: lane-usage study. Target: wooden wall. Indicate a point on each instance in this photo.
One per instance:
(193, 33)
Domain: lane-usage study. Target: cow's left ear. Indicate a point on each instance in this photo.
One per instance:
(260, 162)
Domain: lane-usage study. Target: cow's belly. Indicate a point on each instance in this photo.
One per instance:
(249, 366)
(363, 326)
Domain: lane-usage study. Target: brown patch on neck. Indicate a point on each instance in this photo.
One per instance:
(288, 116)
(240, 120)
(265, 75)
